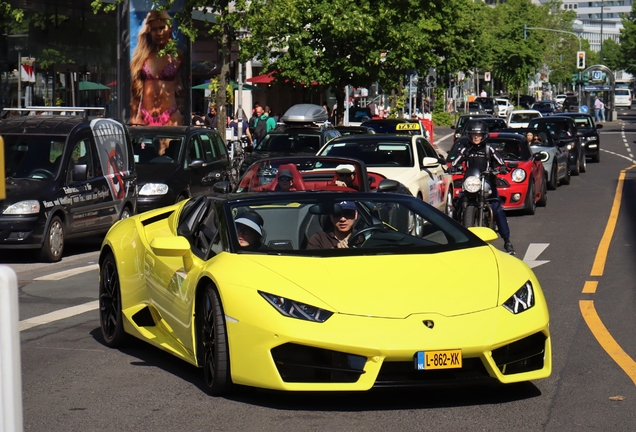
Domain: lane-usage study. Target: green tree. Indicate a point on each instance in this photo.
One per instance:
(612, 56)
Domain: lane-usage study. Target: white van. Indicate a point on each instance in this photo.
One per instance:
(623, 98)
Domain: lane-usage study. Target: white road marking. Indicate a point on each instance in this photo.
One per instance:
(58, 315)
(443, 138)
(67, 273)
(533, 252)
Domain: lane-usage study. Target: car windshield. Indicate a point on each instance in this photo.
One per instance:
(290, 143)
(584, 122)
(33, 156)
(156, 149)
(310, 224)
(484, 101)
(541, 105)
(502, 102)
(556, 128)
(373, 153)
(523, 117)
(511, 148)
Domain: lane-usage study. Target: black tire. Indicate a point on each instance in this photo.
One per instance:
(583, 167)
(530, 205)
(597, 157)
(554, 181)
(110, 312)
(469, 216)
(125, 213)
(566, 180)
(577, 168)
(543, 199)
(212, 346)
(53, 245)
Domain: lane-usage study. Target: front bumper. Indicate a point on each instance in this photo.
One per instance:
(147, 203)
(21, 231)
(357, 353)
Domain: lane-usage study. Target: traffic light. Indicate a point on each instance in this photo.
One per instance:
(580, 60)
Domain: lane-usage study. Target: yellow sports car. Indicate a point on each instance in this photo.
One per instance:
(310, 291)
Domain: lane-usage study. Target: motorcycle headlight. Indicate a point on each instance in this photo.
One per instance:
(294, 309)
(23, 207)
(472, 184)
(518, 175)
(153, 189)
(522, 300)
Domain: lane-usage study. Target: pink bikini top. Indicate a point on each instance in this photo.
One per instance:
(169, 73)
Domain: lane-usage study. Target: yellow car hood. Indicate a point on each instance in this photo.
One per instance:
(391, 286)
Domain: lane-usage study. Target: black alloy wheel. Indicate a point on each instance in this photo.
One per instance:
(583, 167)
(566, 180)
(212, 346)
(110, 308)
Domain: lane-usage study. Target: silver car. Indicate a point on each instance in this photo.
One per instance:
(555, 159)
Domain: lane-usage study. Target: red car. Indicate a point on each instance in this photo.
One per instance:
(525, 186)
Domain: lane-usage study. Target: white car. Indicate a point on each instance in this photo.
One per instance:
(519, 119)
(559, 99)
(410, 160)
(623, 98)
(504, 107)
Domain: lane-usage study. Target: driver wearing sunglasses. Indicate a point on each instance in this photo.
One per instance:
(338, 237)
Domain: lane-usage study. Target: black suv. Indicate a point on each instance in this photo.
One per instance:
(304, 132)
(67, 176)
(488, 104)
(565, 133)
(176, 162)
(589, 134)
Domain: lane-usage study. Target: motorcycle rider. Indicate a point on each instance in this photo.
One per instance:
(478, 153)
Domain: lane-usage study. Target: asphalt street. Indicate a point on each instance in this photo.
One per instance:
(73, 382)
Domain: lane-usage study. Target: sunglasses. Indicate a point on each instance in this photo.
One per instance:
(348, 214)
(284, 178)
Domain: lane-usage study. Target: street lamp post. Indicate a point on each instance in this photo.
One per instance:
(602, 13)
(18, 48)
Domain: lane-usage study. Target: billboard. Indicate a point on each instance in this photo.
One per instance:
(155, 88)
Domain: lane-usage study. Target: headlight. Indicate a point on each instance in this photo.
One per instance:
(294, 309)
(458, 135)
(518, 175)
(23, 207)
(472, 184)
(522, 300)
(545, 156)
(569, 147)
(154, 189)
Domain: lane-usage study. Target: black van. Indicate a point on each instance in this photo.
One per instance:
(67, 176)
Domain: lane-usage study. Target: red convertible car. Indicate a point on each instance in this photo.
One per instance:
(524, 187)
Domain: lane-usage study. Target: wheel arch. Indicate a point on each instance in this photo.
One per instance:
(201, 284)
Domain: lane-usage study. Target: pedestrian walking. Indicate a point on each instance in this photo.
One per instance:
(597, 109)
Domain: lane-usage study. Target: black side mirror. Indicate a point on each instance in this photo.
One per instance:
(599, 126)
(387, 185)
(441, 159)
(80, 172)
(222, 187)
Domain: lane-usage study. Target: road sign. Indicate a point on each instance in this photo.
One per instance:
(583, 109)
(597, 75)
(486, 76)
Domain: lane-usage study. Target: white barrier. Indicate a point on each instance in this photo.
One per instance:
(10, 372)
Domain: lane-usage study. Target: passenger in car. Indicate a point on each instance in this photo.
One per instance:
(345, 176)
(285, 181)
(343, 222)
(249, 226)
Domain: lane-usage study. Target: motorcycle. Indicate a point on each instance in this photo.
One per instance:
(473, 207)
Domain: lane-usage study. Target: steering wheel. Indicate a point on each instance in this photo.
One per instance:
(41, 171)
(366, 232)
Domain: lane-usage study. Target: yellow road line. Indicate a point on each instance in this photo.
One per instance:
(606, 340)
(590, 287)
(603, 247)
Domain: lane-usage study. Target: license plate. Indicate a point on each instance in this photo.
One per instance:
(447, 359)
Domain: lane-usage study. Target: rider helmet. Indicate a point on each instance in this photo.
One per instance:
(477, 129)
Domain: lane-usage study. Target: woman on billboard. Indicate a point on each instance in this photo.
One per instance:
(156, 88)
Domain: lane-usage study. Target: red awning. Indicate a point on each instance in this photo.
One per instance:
(112, 83)
(262, 79)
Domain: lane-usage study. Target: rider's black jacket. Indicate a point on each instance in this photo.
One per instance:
(482, 156)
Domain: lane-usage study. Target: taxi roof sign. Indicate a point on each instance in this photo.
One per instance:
(407, 126)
